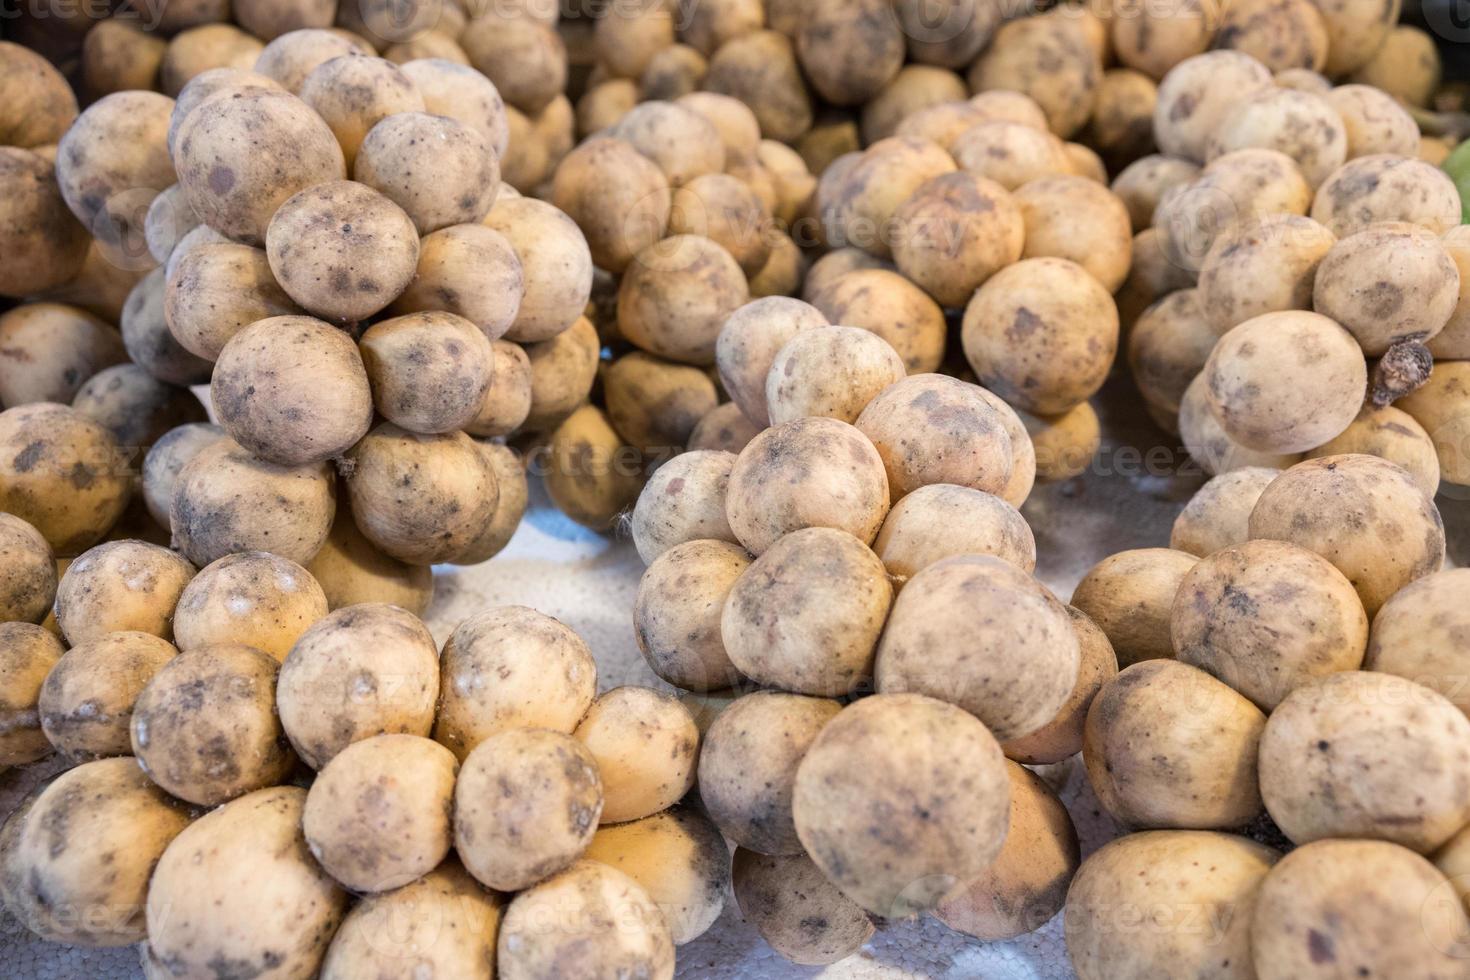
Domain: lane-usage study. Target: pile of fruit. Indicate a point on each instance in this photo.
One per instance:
(304, 299)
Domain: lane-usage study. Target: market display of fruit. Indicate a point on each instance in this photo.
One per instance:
(823, 308)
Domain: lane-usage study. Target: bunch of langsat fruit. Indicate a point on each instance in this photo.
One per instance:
(867, 542)
(320, 235)
(265, 788)
(1296, 658)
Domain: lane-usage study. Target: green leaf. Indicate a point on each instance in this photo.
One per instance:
(1457, 165)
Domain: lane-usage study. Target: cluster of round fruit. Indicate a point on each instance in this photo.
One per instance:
(867, 541)
(235, 687)
(1313, 241)
(1293, 656)
(385, 326)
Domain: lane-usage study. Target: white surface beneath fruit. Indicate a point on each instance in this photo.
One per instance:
(588, 582)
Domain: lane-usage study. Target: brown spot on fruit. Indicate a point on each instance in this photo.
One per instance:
(1320, 947)
(26, 459)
